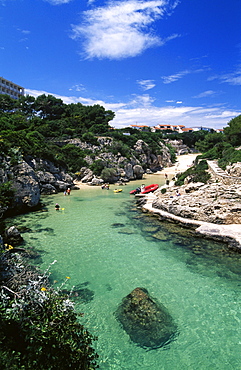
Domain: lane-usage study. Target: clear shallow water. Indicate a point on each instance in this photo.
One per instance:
(108, 248)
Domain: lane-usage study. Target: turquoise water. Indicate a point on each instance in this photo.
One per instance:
(108, 247)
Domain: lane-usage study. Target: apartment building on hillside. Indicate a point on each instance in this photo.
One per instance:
(10, 88)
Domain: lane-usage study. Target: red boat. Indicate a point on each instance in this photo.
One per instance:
(146, 189)
(149, 188)
(135, 191)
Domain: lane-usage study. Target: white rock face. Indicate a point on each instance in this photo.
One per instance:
(215, 203)
(26, 185)
(234, 169)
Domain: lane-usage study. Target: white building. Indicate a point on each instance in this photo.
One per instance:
(10, 88)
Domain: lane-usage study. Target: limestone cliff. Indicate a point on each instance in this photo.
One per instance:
(30, 177)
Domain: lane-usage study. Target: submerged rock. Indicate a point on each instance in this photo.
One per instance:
(145, 320)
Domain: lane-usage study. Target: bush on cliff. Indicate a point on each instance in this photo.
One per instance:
(197, 173)
(109, 175)
(6, 194)
(39, 328)
(229, 156)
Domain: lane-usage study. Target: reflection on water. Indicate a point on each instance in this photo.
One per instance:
(108, 248)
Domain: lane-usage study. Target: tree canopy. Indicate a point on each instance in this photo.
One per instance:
(233, 131)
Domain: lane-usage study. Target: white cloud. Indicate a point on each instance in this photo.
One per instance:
(174, 77)
(76, 99)
(230, 78)
(205, 94)
(142, 110)
(25, 32)
(121, 29)
(58, 2)
(146, 84)
(181, 74)
(185, 115)
(144, 100)
(77, 87)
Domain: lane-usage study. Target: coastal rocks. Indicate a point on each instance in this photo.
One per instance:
(128, 162)
(96, 181)
(128, 168)
(26, 185)
(155, 162)
(213, 203)
(51, 178)
(138, 172)
(145, 320)
(30, 178)
(234, 169)
(13, 237)
(48, 189)
(85, 174)
(179, 147)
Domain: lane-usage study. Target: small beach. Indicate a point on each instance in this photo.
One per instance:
(182, 164)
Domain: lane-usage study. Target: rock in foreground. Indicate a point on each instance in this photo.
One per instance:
(145, 320)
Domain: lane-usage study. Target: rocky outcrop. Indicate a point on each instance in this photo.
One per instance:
(152, 161)
(213, 210)
(51, 178)
(32, 177)
(26, 186)
(234, 169)
(29, 179)
(130, 167)
(13, 236)
(145, 320)
(179, 147)
(214, 203)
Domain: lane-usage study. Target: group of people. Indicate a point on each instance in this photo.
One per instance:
(66, 192)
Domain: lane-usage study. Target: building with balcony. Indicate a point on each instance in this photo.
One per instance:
(10, 88)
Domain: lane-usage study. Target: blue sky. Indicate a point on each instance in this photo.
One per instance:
(151, 62)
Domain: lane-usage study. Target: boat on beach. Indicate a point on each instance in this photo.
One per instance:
(145, 189)
(149, 188)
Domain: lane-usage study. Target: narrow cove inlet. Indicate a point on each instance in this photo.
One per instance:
(108, 248)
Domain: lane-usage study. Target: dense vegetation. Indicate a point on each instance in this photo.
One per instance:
(224, 147)
(197, 173)
(35, 125)
(39, 328)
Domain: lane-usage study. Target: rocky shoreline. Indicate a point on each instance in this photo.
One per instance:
(213, 210)
(30, 178)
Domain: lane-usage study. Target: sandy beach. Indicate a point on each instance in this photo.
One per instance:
(182, 164)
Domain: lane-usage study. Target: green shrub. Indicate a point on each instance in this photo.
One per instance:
(172, 152)
(90, 138)
(197, 173)
(6, 194)
(72, 156)
(109, 175)
(230, 155)
(119, 147)
(39, 328)
(97, 167)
